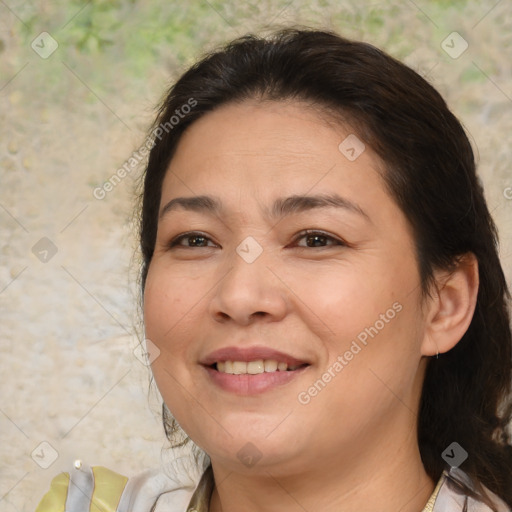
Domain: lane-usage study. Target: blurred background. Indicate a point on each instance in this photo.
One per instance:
(79, 83)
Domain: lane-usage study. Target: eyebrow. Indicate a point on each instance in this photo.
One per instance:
(282, 207)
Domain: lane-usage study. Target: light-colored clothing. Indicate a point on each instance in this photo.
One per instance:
(98, 489)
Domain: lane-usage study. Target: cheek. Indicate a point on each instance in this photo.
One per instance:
(370, 318)
(342, 300)
(387, 359)
(167, 299)
(171, 303)
(165, 308)
(367, 380)
(164, 321)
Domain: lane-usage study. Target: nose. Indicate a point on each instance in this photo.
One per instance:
(248, 291)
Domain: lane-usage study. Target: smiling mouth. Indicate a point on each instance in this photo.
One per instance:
(256, 367)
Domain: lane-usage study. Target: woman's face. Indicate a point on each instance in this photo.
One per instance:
(247, 290)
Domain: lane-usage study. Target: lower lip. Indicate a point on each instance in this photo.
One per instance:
(247, 384)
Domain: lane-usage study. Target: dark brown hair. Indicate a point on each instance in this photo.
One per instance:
(430, 173)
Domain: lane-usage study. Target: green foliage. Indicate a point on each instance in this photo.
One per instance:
(472, 74)
(105, 39)
(446, 4)
(94, 27)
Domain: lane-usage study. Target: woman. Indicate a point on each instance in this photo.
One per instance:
(326, 309)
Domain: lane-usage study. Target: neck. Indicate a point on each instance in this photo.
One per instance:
(388, 480)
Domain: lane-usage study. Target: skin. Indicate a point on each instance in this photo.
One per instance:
(353, 446)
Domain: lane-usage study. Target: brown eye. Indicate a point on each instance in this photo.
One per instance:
(317, 239)
(195, 239)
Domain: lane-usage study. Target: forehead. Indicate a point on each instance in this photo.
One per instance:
(260, 129)
(270, 142)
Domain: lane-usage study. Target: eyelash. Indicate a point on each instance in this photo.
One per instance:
(175, 241)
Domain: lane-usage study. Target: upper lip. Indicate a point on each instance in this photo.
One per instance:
(250, 354)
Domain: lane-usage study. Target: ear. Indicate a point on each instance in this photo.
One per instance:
(451, 307)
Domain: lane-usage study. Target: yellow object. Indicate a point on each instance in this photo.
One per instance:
(55, 499)
(108, 487)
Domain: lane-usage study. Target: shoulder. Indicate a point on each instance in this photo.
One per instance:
(82, 486)
(451, 499)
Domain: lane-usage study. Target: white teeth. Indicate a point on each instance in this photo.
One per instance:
(239, 367)
(252, 367)
(270, 365)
